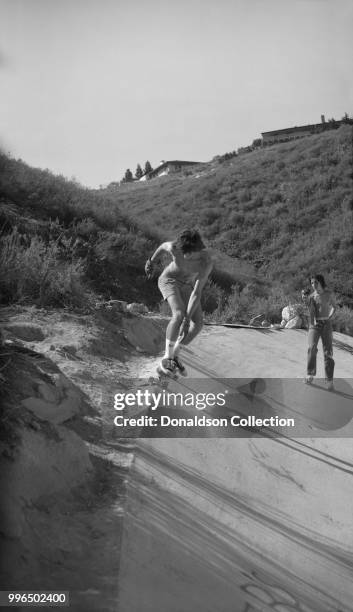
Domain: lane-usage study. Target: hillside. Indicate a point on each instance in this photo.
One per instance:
(65, 472)
(63, 465)
(65, 245)
(288, 208)
(271, 217)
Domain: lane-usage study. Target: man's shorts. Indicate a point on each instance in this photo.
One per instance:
(169, 286)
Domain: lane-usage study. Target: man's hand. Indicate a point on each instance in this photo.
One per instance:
(149, 268)
(184, 328)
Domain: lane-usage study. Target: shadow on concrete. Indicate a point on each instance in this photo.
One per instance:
(199, 563)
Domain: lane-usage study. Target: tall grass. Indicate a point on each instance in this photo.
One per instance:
(252, 300)
(33, 271)
(343, 320)
(287, 209)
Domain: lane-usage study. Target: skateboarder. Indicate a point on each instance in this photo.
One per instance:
(322, 307)
(181, 284)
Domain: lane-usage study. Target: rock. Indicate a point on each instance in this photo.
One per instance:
(49, 393)
(136, 308)
(42, 388)
(112, 305)
(145, 334)
(25, 331)
(43, 465)
(48, 408)
(118, 305)
(68, 351)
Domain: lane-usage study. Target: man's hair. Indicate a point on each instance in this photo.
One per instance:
(319, 278)
(189, 240)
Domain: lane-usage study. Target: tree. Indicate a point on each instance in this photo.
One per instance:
(346, 118)
(128, 176)
(138, 172)
(257, 142)
(148, 167)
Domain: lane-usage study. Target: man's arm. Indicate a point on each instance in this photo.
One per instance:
(311, 308)
(333, 306)
(195, 296)
(165, 246)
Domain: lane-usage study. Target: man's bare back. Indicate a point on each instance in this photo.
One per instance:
(186, 266)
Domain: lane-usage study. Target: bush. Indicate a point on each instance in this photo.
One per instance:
(343, 320)
(288, 209)
(253, 300)
(212, 297)
(31, 270)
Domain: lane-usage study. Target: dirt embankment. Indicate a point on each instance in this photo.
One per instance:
(62, 468)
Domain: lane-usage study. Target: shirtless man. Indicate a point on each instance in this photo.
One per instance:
(322, 307)
(181, 284)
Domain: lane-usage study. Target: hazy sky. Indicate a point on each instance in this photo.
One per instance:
(89, 88)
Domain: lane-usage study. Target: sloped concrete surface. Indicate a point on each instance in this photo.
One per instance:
(256, 522)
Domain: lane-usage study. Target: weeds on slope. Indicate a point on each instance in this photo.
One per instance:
(33, 271)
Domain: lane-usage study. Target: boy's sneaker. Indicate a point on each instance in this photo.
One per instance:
(330, 386)
(167, 366)
(308, 380)
(180, 366)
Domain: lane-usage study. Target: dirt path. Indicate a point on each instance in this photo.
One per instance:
(67, 538)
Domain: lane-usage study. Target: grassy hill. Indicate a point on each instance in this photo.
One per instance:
(272, 216)
(64, 245)
(287, 208)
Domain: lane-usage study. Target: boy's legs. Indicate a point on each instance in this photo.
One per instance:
(176, 303)
(177, 307)
(178, 300)
(326, 337)
(195, 327)
(313, 339)
(196, 324)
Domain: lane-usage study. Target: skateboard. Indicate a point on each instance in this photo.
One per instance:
(162, 379)
(240, 325)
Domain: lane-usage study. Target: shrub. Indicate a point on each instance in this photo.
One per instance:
(32, 270)
(255, 299)
(343, 320)
(212, 297)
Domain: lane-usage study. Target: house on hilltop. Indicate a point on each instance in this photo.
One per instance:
(298, 131)
(168, 167)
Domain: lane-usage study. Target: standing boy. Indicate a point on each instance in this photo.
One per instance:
(322, 307)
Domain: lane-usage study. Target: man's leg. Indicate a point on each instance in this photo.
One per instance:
(177, 307)
(195, 327)
(313, 339)
(326, 338)
(196, 324)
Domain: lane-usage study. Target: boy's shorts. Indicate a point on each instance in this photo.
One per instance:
(169, 286)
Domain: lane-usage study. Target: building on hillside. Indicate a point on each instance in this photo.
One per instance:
(298, 131)
(168, 167)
